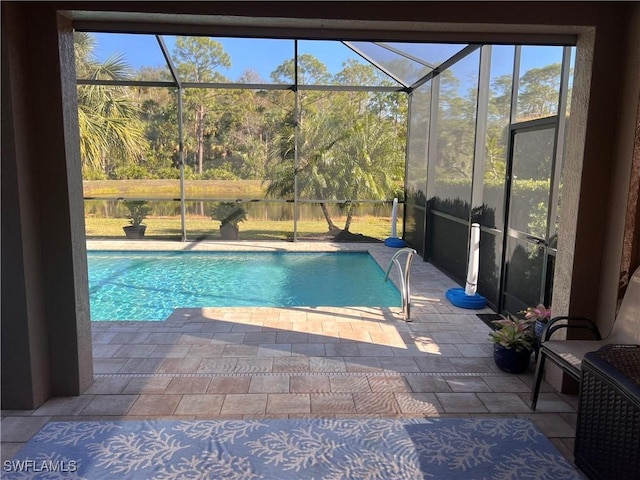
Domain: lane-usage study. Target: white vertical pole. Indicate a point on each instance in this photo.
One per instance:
(394, 218)
(474, 259)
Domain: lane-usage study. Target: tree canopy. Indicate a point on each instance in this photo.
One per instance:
(350, 144)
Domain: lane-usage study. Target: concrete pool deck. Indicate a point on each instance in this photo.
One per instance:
(292, 362)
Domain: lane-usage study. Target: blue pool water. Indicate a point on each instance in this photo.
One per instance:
(149, 285)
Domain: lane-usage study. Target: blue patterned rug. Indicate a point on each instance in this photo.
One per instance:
(272, 449)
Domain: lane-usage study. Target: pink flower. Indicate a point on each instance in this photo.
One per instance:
(539, 312)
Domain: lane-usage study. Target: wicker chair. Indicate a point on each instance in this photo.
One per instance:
(568, 354)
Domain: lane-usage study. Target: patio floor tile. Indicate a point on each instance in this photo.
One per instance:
(308, 349)
(107, 385)
(369, 350)
(342, 350)
(327, 364)
(549, 403)
(200, 405)
(503, 402)
(163, 338)
(134, 351)
(269, 384)
(467, 384)
(225, 338)
(129, 338)
(332, 403)
(231, 350)
(434, 364)
(473, 365)
(147, 385)
(288, 403)
(274, 350)
(180, 365)
(195, 339)
(363, 364)
(9, 450)
(260, 337)
(110, 405)
(460, 402)
(292, 337)
(420, 403)
(21, 429)
(142, 365)
(349, 384)
(388, 384)
(188, 385)
(551, 424)
(250, 403)
(423, 384)
(254, 365)
(217, 365)
(309, 384)
(400, 364)
(229, 385)
(290, 364)
(108, 365)
(382, 403)
(150, 404)
(506, 384)
(101, 350)
(170, 351)
(205, 351)
(64, 405)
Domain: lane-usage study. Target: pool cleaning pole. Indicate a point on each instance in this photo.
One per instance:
(394, 218)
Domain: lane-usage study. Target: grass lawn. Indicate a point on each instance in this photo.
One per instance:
(171, 188)
(204, 227)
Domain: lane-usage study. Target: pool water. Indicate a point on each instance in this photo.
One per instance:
(150, 285)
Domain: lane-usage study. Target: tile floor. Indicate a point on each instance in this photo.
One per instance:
(291, 362)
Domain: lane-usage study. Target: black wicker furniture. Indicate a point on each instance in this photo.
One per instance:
(607, 443)
(568, 354)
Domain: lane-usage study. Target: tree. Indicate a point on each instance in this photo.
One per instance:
(348, 148)
(311, 71)
(197, 61)
(108, 116)
(539, 92)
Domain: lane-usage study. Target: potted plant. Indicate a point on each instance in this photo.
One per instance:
(514, 341)
(229, 214)
(138, 211)
(538, 314)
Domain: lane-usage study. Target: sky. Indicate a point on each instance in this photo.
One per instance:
(265, 55)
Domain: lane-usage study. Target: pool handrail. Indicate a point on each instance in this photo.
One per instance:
(405, 278)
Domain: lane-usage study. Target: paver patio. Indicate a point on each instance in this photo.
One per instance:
(292, 362)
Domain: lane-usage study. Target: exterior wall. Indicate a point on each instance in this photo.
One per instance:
(46, 328)
(617, 261)
(46, 333)
(25, 351)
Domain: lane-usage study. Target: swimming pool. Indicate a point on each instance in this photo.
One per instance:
(150, 285)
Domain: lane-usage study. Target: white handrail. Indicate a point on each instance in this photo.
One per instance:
(405, 279)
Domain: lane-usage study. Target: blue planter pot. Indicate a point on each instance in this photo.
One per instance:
(510, 360)
(538, 328)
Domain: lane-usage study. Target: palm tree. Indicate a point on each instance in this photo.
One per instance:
(110, 127)
(344, 153)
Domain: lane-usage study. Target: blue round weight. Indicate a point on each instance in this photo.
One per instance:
(395, 242)
(462, 300)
